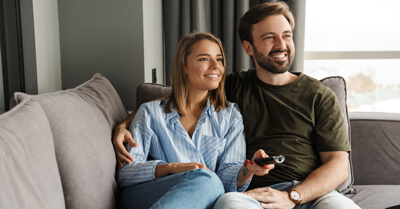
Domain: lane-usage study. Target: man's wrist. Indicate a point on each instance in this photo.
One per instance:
(295, 197)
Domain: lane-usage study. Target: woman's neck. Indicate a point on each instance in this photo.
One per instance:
(196, 102)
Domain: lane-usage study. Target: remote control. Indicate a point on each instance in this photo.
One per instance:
(270, 160)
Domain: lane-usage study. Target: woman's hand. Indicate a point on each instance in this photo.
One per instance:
(174, 168)
(257, 169)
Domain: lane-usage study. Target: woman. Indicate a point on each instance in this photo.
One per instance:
(194, 138)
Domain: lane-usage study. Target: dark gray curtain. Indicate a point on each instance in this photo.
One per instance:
(221, 18)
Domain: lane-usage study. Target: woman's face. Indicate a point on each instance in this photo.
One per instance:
(204, 66)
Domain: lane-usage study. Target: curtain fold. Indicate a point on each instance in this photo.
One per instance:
(221, 18)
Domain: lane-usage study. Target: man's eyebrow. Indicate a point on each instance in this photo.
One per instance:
(272, 33)
(266, 34)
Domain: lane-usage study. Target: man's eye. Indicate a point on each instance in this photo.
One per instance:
(287, 36)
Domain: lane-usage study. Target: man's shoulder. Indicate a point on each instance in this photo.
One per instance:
(241, 75)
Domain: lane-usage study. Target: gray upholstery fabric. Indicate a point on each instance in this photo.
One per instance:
(376, 148)
(338, 86)
(29, 176)
(376, 196)
(82, 120)
(148, 92)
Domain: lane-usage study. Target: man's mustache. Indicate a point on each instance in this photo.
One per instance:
(279, 51)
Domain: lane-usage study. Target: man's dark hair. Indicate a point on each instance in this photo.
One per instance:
(258, 13)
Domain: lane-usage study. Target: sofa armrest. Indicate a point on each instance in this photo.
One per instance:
(375, 141)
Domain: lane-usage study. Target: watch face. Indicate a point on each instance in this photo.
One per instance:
(295, 195)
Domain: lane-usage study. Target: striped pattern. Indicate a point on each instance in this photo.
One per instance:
(217, 142)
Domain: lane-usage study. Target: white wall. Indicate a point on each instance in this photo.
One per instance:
(47, 43)
(153, 40)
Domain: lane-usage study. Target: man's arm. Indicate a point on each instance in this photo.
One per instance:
(332, 172)
(121, 136)
(329, 176)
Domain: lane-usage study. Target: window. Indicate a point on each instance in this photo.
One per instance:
(358, 40)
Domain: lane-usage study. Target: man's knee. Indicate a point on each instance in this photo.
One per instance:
(334, 200)
(233, 200)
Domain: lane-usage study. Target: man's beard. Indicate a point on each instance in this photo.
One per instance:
(267, 63)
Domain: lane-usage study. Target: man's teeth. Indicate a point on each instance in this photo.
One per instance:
(279, 56)
(212, 76)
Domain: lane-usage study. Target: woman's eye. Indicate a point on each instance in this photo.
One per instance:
(203, 59)
(220, 59)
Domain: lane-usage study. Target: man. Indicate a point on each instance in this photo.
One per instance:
(284, 114)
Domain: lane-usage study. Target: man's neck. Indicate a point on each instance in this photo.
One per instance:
(275, 78)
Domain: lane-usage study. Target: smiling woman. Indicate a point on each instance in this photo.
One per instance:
(194, 136)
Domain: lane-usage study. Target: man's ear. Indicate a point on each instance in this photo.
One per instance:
(248, 48)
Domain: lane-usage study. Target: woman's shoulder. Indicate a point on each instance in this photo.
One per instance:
(232, 110)
(152, 107)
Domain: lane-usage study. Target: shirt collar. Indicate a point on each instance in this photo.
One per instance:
(173, 115)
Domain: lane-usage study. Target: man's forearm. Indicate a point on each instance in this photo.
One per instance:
(325, 179)
(127, 122)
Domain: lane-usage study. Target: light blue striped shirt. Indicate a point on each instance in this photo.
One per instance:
(217, 142)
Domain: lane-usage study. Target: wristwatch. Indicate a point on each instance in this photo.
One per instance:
(294, 196)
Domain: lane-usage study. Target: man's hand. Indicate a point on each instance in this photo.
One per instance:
(257, 169)
(121, 136)
(271, 198)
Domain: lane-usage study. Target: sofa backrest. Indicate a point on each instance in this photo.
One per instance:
(338, 85)
(376, 148)
(82, 120)
(147, 92)
(29, 176)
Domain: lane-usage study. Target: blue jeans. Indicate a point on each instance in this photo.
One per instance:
(332, 200)
(193, 189)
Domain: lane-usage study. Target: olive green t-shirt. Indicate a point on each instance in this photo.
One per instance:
(297, 120)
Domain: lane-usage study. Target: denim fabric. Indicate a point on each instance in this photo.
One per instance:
(332, 200)
(193, 189)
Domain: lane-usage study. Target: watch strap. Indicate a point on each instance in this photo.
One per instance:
(296, 202)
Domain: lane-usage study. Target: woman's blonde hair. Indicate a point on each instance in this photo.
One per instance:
(179, 92)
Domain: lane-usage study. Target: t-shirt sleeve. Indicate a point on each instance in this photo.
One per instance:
(331, 132)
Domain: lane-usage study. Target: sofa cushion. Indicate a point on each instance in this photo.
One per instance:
(338, 85)
(376, 196)
(82, 120)
(149, 91)
(376, 148)
(29, 176)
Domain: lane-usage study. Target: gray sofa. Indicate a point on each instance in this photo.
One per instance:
(56, 149)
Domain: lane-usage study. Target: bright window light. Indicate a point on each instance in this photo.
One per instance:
(358, 40)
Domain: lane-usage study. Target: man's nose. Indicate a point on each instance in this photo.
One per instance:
(280, 43)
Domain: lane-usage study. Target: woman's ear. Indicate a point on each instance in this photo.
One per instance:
(248, 48)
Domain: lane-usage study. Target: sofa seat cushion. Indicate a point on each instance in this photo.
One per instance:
(82, 120)
(29, 176)
(376, 196)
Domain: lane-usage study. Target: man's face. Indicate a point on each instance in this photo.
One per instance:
(273, 47)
